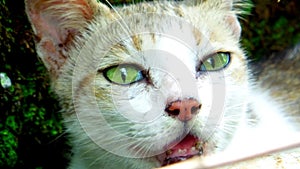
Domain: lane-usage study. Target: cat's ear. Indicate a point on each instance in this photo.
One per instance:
(231, 16)
(56, 23)
(234, 25)
(229, 9)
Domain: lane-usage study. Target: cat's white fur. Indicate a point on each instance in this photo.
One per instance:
(114, 126)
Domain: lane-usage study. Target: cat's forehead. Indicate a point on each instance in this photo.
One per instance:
(151, 50)
(166, 18)
(128, 34)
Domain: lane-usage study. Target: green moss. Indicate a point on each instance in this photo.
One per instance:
(29, 121)
(8, 146)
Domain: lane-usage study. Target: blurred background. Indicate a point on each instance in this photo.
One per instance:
(31, 132)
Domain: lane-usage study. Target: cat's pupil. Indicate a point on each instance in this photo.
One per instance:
(211, 61)
(123, 74)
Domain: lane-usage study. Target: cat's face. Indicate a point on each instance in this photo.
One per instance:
(163, 83)
(158, 84)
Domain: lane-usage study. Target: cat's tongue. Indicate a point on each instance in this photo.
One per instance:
(188, 147)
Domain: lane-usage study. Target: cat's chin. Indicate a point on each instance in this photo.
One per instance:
(188, 147)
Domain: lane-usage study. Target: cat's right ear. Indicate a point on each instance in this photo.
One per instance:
(229, 9)
(56, 24)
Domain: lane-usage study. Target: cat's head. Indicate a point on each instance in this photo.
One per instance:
(163, 79)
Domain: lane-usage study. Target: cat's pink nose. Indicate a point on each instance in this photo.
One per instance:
(184, 109)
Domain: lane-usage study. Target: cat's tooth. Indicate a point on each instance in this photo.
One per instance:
(169, 152)
(198, 145)
(182, 151)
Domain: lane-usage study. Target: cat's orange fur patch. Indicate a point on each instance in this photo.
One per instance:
(137, 42)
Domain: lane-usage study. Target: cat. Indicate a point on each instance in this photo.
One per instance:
(154, 83)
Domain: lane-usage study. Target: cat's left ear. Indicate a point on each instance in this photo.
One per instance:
(234, 24)
(231, 17)
(229, 9)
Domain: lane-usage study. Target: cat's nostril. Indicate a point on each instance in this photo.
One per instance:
(173, 112)
(184, 109)
(195, 109)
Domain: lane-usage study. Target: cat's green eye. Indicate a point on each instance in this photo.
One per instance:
(216, 62)
(124, 74)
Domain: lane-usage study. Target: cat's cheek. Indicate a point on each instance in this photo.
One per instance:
(211, 88)
(238, 70)
(217, 92)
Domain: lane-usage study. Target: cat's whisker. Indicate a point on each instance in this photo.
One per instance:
(141, 149)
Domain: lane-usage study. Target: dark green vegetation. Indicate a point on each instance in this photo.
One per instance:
(31, 133)
(272, 27)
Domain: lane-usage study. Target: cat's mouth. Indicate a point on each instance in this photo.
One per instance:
(188, 147)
